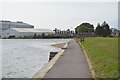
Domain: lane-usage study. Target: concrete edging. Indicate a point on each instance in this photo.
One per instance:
(41, 73)
(88, 61)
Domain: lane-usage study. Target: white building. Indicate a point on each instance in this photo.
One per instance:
(25, 32)
(5, 25)
(115, 32)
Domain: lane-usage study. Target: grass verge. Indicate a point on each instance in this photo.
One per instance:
(103, 54)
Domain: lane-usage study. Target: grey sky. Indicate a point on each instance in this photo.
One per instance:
(62, 15)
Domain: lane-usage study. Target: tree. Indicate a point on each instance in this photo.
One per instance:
(103, 30)
(43, 35)
(50, 36)
(107, 31)
(99, 30)
(84, 28)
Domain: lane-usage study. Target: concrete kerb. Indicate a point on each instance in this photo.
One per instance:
(41, 73)
(88, 61)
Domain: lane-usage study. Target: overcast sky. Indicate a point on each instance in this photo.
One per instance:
(62, 15)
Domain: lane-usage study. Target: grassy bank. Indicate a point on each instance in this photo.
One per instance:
(103, 54)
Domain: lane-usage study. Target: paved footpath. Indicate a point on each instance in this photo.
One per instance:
(71, 65)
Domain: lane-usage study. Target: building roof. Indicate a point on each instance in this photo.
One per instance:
(32, 30)
(18, 23)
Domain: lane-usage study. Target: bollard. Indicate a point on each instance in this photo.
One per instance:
(82, 40)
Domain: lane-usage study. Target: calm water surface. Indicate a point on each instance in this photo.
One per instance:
(22, 58)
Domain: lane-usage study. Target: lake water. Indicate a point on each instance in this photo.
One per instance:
(22, 58)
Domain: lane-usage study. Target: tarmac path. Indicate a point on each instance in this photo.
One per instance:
(72, 64)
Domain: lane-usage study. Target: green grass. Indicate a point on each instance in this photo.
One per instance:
(103, 54)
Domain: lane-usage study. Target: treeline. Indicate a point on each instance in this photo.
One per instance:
(102, 30)
(51, 36)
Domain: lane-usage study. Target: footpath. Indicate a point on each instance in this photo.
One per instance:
(72, 64)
